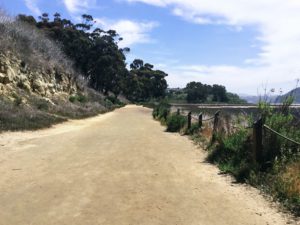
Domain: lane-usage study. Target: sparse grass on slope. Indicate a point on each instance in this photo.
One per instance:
(32, 112)
(31, 45)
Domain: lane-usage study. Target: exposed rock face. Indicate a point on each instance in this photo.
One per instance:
(15, 74)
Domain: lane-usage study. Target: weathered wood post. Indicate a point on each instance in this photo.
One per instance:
(189, 120)
(165, 115)
(200, 119)
(216, 123)
(258, 140)
(216, 120)
(178, 112)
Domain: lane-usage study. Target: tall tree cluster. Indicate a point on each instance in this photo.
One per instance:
(97, 56)
(198, 92)
(144, 82)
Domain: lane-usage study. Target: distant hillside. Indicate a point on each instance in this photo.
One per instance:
(254, 99)
(196, 92)
(295, 93)
(250, 98)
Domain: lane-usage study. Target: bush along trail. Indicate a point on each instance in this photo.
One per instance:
(264, 154)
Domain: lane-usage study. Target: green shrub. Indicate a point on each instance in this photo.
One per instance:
(22, 117)
(194, 129)
(282, 121)
(161, 111)
(82, 98)
(277, 173)
(233, 154)
(17, 99)
(108, 104)
(175, 122)
(78, 98)
(150, 104)
(72, 99)
(114, 100)
(155, 112)
(42, 104)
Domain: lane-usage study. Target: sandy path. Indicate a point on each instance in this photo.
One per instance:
(115, 169)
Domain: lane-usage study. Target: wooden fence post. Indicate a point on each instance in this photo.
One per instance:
(258, 140)
(189, 120)
(216, 120)
(216, 123)
(178, 112)
(200, 118)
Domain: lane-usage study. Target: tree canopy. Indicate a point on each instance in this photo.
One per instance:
(196, 92)
(144, 82)
(98, 57)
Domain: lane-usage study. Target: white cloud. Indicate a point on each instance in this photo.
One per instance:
(132, 32)
(152, 2)
(277, 22)
(78, 6)
(250, 80)
(32, 6)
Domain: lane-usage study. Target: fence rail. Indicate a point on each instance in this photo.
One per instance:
(257, 134)
(281, 135)
(200, 119)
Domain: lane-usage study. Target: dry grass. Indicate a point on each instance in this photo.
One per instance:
(291, 177)
(207, 131)
(31, 112)
(32, 46)
(22, 117)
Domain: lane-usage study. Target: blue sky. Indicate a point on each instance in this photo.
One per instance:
(248, 46)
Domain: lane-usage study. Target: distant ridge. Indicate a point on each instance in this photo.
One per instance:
(254, 99)
(295, 93)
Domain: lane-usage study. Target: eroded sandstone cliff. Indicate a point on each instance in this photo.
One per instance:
(49, 82)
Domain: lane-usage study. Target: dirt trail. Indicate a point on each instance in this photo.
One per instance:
(118, 169)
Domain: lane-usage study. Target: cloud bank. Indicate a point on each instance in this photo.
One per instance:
(79, 6)
(132, 32)
(277, 22)
(32, 6)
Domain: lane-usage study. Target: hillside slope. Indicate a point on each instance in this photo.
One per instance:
(33, 98)
(16, 74)
(295, 93)
(38, 83)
